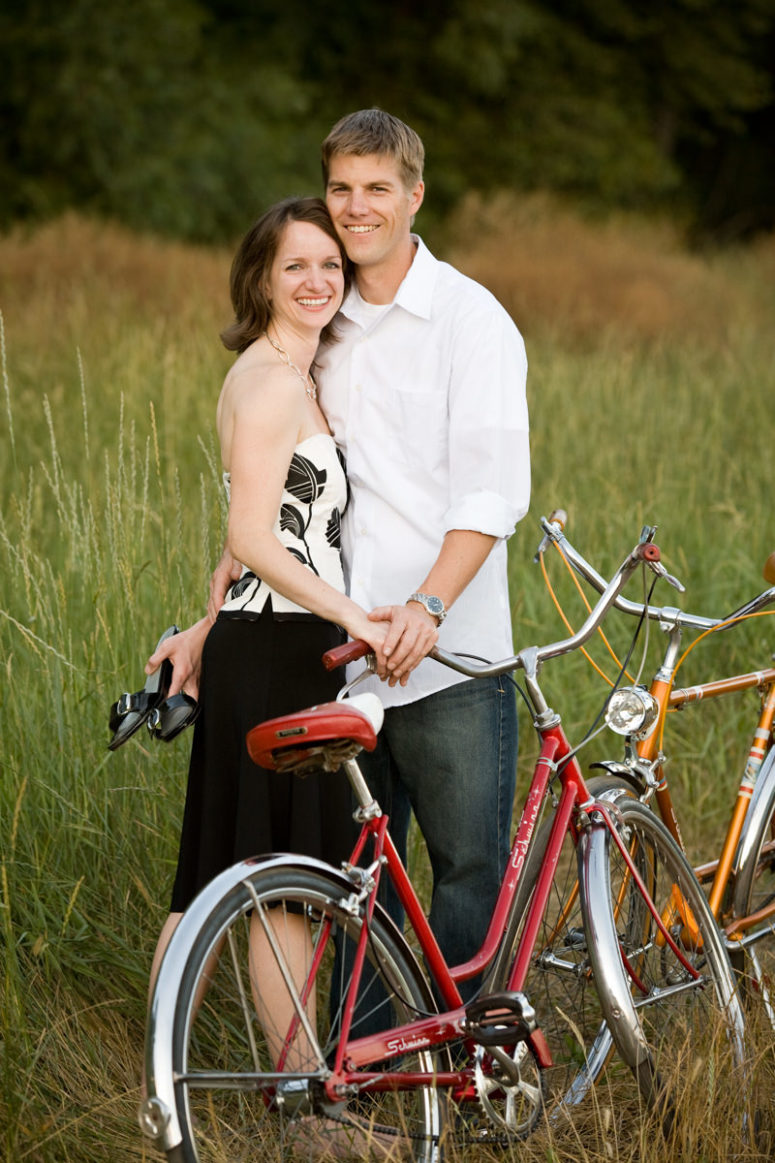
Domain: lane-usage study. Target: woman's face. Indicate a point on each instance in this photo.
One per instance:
(306, 280)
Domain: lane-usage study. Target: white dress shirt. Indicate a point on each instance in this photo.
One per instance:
(426, 399)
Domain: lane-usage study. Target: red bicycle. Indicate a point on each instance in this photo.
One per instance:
(345, 1041)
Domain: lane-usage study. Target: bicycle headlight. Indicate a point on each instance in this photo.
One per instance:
(632, 711)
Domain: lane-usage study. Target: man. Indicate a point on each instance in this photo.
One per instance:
(425, 396)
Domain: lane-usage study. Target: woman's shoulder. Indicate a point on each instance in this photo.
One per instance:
(256, 381)
(251, 366)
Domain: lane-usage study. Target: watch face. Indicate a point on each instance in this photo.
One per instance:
(434, 606)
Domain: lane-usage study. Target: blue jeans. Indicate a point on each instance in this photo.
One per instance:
(451, 758)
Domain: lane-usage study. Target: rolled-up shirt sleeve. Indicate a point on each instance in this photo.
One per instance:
(489, 449)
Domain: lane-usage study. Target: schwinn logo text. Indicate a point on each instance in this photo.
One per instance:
(521, 846)
(402, 1045)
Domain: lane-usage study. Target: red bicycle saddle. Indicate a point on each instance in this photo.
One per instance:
(325, 734)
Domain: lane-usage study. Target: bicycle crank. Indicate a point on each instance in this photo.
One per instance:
(509, 1086)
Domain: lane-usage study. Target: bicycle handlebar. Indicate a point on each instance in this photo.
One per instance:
(530, 658)
(554, 531)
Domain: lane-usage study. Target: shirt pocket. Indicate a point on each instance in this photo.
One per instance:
(418, 422)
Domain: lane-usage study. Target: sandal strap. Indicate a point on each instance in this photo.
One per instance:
(138, 701)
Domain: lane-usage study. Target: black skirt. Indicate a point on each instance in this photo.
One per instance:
(256, 669)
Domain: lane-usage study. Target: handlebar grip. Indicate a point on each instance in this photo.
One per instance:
(349, 652)
(769, 569)
(559, 517)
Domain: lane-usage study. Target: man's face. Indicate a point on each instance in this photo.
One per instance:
(371, 207)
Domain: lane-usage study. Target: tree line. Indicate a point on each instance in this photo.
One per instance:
(186, 117)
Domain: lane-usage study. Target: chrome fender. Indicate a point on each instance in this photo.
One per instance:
(611, 981)
(759, 811)
(158, 1113)
(628, 773)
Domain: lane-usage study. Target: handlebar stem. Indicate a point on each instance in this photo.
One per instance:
(674, 630)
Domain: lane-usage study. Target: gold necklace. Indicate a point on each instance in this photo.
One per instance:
(310, 386)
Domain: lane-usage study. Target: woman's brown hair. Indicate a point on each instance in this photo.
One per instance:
(253, 262)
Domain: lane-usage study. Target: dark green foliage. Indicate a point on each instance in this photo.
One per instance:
(188, 116)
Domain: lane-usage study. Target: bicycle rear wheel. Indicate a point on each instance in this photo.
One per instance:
(670, 1004)
(231, 1104)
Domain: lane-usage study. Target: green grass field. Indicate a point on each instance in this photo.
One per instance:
(651, 387)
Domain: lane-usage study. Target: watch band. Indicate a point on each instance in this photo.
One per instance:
(431, 603)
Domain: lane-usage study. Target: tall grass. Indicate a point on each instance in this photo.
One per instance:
(651, 385)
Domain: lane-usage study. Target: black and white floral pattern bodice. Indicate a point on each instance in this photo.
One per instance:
(308, 525)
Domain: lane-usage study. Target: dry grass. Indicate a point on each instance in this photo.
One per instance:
(62, 270)
(588, 281)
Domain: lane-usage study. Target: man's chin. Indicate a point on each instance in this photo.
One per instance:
(361, 248)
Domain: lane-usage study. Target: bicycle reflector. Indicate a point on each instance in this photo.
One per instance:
(632, 711)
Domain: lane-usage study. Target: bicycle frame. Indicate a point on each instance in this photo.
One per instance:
(576, 811)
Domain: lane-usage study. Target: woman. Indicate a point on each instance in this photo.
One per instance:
(262, 655)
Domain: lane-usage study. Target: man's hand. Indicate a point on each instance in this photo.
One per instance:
(184, 650)
(411, 636)
(226, 572)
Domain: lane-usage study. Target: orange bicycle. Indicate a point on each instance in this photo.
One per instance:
(740, 882)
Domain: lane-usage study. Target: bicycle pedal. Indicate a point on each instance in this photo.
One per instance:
(500, 1019)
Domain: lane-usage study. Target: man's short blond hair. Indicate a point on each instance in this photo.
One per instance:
(374, 131)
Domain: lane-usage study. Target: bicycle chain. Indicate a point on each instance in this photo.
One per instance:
(487, 1135)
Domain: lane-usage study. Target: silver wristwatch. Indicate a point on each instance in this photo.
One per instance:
(432, 604)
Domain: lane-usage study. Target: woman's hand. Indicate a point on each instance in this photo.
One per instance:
(226, 572)
(184, 650)
(359, 627)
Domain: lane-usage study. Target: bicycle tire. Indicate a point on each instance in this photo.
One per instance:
(666, 1024)
(242, 1110)
(560, 985)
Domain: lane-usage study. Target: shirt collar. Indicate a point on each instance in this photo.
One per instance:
(415, 293)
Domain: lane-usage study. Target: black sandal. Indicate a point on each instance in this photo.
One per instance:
(129, 713)
(166, 721)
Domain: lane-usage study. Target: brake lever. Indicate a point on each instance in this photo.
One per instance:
(553, 529)
(545, 542)
(658, 568)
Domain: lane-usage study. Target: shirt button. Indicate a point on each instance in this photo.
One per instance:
(357, 387)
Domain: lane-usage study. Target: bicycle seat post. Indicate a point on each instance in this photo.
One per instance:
(368, 808)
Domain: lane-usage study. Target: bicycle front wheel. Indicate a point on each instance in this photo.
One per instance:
(560, 983)
(664, 979)
(257, 1021)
